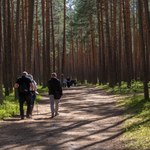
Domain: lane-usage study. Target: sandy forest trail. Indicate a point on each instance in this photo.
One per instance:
(88, 120)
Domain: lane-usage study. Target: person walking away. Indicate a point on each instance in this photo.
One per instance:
(33, 91)
(23, 84)
(68, 82)
(55, 93)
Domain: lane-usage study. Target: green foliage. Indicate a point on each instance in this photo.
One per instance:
(85, 83)
(136, 87)
(38, 97)
(9, 108)
(103, 86)
(42, 89)
(137, 135)
(137, 124)
(79, 19)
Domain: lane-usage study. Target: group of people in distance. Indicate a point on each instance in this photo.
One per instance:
(67, 82)
(27, 90)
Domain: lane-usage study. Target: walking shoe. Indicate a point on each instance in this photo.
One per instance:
(52, 116)
(29, 116)
(56, 114)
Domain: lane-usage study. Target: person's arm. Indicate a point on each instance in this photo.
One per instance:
(31, 86)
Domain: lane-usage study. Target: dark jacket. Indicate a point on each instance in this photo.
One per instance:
(24, 80)
(54, 86)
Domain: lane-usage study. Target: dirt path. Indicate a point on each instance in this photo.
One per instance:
(88, 120)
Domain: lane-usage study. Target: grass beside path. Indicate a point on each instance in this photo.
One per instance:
(137, 135)
(9, 107)
(137, 127)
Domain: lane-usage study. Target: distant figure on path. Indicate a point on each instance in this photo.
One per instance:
(64, 82)
(68, 82)
(23, 84)
(73, 82)
(55, 93)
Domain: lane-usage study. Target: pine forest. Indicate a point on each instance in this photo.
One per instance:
(98, 41)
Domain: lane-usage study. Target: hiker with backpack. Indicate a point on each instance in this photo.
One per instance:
(33, 91)
(23, 84)
(55, 93)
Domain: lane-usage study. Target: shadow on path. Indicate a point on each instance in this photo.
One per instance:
(88, 120)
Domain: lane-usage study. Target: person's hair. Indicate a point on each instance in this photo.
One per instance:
(24, 73)
(54, 75)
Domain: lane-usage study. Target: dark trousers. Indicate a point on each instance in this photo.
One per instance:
(22, 100)
(68, 84)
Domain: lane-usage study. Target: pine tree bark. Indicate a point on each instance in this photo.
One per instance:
(64, 41)
(44, 45)
(53, 36)
(128, 41)
(48, 45)
(143, 54)
(109, 54)
(17, 42)
(29, 33)
(1, 78)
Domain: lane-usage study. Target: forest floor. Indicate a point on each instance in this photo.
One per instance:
(88, 120)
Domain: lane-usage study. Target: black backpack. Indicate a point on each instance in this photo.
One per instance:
(23, 88)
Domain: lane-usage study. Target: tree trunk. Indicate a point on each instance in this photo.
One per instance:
(145, 71)
(53, 36)
(17, 42)
(128, 41)
(43, 44)
(48, 47)
(64, 41)
(1, 78)
(109, 54)
(29, 33)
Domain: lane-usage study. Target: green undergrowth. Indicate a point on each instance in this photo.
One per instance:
(136, 87)
(137, 125)
(42, 89)
(137, 114)
(10, 106)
